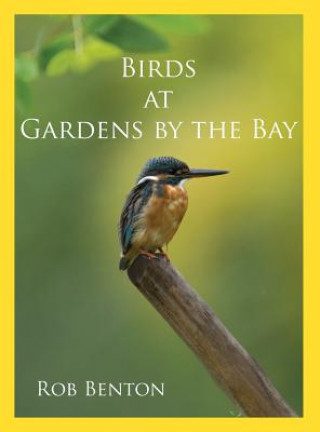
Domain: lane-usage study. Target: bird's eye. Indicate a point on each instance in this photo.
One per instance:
(181, 171)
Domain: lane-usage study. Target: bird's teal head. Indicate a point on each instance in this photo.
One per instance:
(173, 171)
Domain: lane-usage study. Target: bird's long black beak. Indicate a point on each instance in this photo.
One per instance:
(193, 173)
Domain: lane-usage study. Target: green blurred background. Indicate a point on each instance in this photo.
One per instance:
(77, 317)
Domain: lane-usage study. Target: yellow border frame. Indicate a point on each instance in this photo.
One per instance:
(309, 9)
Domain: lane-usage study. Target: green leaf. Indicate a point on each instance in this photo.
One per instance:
(132, 36)
(93, 51)
(50, 50)
(61, 63)
(174, 24)
(26, 67)
(99, 24)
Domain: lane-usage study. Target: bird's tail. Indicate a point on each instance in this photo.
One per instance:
(124, 263)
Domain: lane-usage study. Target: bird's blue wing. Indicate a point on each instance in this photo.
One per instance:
(136, 200)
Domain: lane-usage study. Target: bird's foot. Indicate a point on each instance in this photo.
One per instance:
(152, 255)
(148, 254)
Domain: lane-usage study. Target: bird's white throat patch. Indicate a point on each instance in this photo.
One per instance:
(181, 184)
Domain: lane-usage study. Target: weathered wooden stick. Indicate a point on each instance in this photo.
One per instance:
(227, 361)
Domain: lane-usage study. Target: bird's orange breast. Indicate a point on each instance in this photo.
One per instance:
(161, 217)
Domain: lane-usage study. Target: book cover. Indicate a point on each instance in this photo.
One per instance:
(158, 235)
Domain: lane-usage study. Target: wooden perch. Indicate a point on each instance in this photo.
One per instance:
(227, 361)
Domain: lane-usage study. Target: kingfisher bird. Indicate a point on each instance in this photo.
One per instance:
(155, 207)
